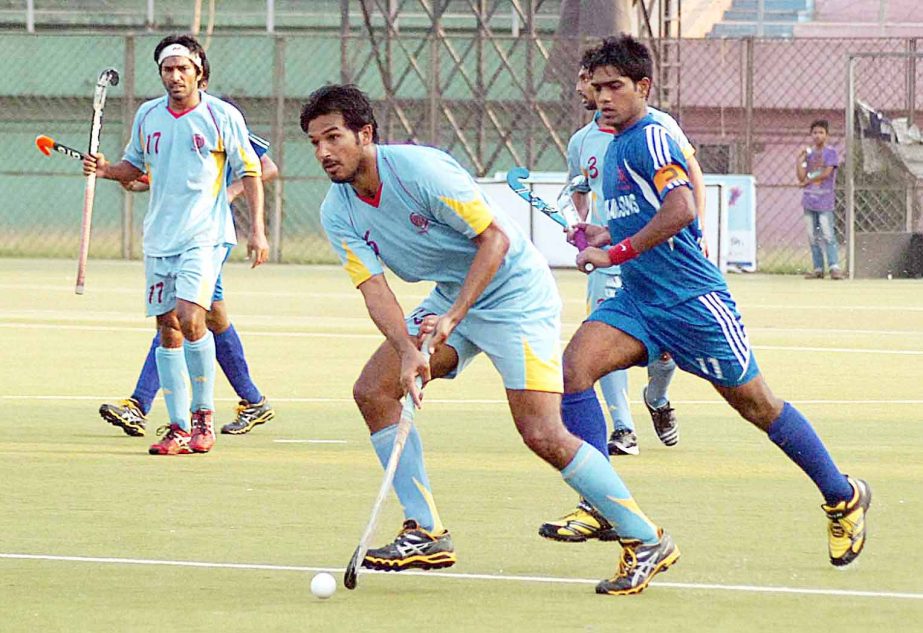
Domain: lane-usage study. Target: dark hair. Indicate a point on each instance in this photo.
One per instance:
(628, 55)
(587, 56)
(821, 123)
(189, 42)
(346, 99)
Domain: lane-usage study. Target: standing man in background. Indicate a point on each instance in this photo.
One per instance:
(182, 141)
(816, 171)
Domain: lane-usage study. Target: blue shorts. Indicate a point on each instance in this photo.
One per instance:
(190, 276)
(218, 295)
(521, 336)
(704, 335)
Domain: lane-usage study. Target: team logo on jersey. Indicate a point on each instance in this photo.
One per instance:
(669, 174)
(420, 221)
(198, 142)
(624, 182)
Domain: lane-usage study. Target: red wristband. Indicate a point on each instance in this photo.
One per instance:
(622, 252)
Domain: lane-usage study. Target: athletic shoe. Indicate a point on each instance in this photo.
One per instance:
(248, 416)
(664, 419)
(814, 274)
(837, 274)
(623, 442)
(414, 548)
(173, 441)
(203, 434)
(846, 530)
(126, 415)
(582, 524)
(639, 564)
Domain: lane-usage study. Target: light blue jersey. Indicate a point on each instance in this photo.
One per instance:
(421, 225)
(185, 156)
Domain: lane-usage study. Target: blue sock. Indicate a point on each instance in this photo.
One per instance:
(171, 368)
(410, 481)
(230, 353)
(614, 386)
(200, 359)
(659, 375)
(792, 432)
(593, 477)
(583, 416)
(148, 382)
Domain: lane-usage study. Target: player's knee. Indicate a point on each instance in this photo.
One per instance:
(542, 439)
(575, 375)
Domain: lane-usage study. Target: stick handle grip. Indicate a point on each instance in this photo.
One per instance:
(581, 244)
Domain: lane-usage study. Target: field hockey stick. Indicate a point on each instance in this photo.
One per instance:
(567, 218)
(109, 77)
(46, 144)
(351, 576)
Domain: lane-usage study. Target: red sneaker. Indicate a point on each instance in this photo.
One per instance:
(203, 434)
(173, 441)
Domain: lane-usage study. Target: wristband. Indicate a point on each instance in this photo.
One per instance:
(622, 252)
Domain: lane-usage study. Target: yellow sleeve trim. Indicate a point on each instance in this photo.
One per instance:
(475, 213)
(688, 151)
(542, 375)
(356, 270)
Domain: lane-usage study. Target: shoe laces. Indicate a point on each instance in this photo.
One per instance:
(629, 558)
(168, 431)
(200, 422)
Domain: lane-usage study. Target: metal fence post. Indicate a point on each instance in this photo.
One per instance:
(345, 75)
(278, 144)
(128, 111)
(748, 106)
(851, 166)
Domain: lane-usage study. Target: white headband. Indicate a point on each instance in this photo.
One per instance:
(180, 51)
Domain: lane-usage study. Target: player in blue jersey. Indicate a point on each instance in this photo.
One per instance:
(674, 299)
(183, 141)
(415, 210)
(253, 409)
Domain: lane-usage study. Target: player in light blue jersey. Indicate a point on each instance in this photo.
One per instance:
(416, 211)
(675, 299)
(253, 409)
(183, 142)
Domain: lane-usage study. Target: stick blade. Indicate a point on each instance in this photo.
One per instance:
(351, 575)
(515, 175)
(44, 144)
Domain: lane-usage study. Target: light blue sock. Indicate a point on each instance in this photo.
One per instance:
(659, 375)
(614, 386)
(410, 481)
(171, 369)
(200, 358)
(594, 479)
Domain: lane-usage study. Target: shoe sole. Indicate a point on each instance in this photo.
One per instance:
(602, 535)
(841, 563)
(153, 451)
(436, 561)
(114, 420)
(618, 450)
(662, 566)
(263, 419)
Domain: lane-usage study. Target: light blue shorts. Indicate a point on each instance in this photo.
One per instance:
(218, 295)
(705, 335)
(521, 336)
(601, 285)
(190, 276)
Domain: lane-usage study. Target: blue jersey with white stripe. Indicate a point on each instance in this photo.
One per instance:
(642, 165)
(421, 226)
(185, 155)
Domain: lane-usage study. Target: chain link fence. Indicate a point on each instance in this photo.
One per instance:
(493, 99)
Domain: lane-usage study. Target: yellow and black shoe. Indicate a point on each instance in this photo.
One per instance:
(126, 414)
(414, 548)
(846, 530)
(249, 415)
(639, 564)
(583, 524)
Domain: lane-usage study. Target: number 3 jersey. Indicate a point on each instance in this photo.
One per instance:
(186, 155)
(642, 165)
(421, 225)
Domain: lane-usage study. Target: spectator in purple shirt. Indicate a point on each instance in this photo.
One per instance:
(816, 171)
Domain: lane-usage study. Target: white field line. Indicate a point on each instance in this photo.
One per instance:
(456, 402)
(845, 593)
(342, 335)
(310, 441)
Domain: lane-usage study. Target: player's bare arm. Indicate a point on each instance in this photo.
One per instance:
(388, 317)
(697, 180)
(269, 171)
(123, 171)
(257, 244)
(492, 245)
(676, 212)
